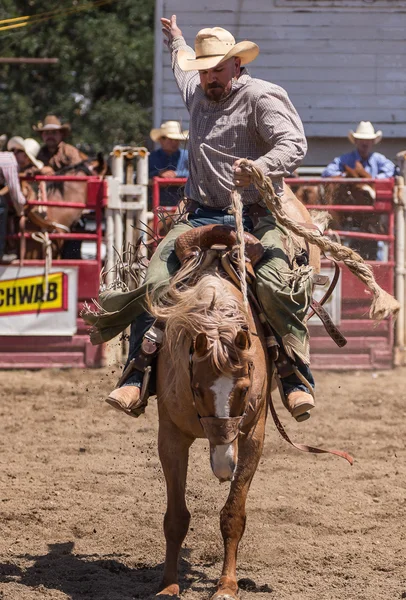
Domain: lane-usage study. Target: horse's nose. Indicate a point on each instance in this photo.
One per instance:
(223, 460)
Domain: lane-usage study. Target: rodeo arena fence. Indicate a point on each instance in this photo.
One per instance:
(41, 300)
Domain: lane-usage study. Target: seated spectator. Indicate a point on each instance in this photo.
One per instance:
(55, 153)
(364, 139)
(169, 160)
(26, 152)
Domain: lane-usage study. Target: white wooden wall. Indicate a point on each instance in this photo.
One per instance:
(341, 62)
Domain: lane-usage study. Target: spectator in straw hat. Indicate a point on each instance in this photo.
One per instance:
(364, 139)
(232, 116)
(55, 153)
(26, 152)
(170, 160)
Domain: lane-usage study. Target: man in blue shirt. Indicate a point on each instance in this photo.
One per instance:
(170, 160)
(364, 139)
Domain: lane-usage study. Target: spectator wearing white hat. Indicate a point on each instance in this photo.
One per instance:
(364, 139)
(26, 152)
(170, 160)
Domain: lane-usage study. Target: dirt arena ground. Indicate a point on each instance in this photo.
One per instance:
(82, 497)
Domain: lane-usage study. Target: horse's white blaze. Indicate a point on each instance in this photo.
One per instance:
(370, 190)
(223, 462)
(221, 389)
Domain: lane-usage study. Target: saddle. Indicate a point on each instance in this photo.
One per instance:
(220, 241)
(194, 242)
(205, 245)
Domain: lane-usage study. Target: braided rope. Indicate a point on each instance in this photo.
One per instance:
(237, 208)
(42, 237)
(383, 304)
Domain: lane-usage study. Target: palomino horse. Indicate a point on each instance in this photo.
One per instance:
(213, 381)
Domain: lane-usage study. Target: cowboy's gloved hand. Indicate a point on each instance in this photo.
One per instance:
(241, 177)
(170, 28)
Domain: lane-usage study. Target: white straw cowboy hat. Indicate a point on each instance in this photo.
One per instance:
(52, 123)
(214, 46)
(29, 146)
(365, 131)
(169, 129)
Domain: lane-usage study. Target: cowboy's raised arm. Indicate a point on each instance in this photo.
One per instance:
(186, 80)
(279, 125)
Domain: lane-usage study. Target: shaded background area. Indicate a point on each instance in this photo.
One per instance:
(102, 84)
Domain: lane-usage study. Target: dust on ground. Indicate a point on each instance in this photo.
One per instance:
(82, 497)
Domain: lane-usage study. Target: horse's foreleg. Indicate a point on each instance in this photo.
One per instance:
(173, 452)
(232, 516)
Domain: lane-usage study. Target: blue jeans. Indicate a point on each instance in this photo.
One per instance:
(143, 322)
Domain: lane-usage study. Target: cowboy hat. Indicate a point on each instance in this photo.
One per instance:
(169, 129)
(51, 123)
(29, 146)
(365, 131)
(214, 46)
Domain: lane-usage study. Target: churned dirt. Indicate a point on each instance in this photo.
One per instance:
(82, 497)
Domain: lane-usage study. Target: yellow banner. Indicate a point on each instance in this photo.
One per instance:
(26, 294)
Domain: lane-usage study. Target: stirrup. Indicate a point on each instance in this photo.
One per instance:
(143, 361)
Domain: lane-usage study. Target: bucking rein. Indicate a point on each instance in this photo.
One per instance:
(383, 304)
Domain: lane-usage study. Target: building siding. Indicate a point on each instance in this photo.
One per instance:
(339, 65)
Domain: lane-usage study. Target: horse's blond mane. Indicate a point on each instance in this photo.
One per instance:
(209, 307)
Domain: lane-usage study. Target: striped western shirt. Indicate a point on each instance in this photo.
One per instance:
(9, 177)
(256, 120)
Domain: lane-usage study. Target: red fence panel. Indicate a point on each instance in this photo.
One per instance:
(45, 348)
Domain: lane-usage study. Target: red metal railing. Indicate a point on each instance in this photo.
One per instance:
(96, 199)
(64, 351)
(383, 204)
(157, 183)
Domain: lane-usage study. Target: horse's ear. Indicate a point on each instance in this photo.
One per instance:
(242, 340)
(201, 344)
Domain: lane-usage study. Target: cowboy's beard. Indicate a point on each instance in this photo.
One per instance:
(52, 145)
(216, 91)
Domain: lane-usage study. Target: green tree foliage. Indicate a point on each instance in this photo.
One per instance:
(102, 84)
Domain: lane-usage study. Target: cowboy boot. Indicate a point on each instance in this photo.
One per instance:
(132, 390)
(127, 399)
(299, 404)
(290, 377)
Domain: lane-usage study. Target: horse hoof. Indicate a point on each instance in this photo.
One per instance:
(170, 590)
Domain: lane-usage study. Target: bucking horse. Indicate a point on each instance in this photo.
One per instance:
(215, 369)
